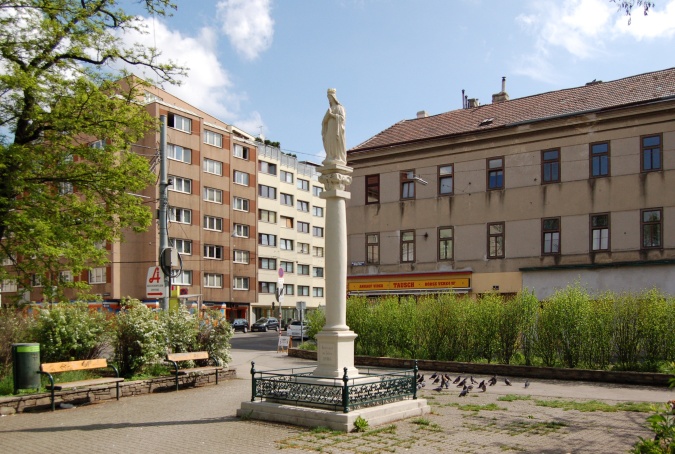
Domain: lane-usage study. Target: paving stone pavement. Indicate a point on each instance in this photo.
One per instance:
(202, 420)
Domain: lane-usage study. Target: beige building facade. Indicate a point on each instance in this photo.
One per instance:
(532, 193)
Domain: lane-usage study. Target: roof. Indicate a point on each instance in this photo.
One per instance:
(594, 96)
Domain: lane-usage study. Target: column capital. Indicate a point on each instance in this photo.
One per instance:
(335, 176)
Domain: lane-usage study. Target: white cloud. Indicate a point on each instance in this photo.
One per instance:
(248, 25)
(659, 23)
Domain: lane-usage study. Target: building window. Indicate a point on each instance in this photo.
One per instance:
(317, 231)
(317, 271)
(286, 199)
(66, 187)
(286, 222)
(650, 152)
(267, 264)
(600, 232)
(496, 240)
(240, 283)
(213, 280)
(599, 159)
(267, 287)
(213, 138)
(241, 178)
(286, 177)
(267, 239)
(214, 167)
(286, 244)
(240, 230)
(182, 246)
(407, 185)
(408, 246)
(65, 276)
(213, 223)
(267, 216)
(445, 177)
(179, 184)
(36, 279)
(287, 266)
(289, 289)
(495, 173)
(213, 195)
(178, 122)
(303, 227)
(316, 191)
(267, 167)
(239, 204)
(267, 192)
(97, 275)
(651, 228)
(184, 278)
(372, 189)
(317, 251)
(550, 229)
(303, 270)
(373, 248)
(303, 206)
(240, 256)
(303, 185)
(317, 211)
(178, 153)
(180, 215)
(211, 251)
(9, 285)
(303, 290)
(240, 152)
(317, 292)
(445, 243)
(303, 248)
(550, 166)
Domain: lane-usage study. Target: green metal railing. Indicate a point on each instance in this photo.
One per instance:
(300, 387)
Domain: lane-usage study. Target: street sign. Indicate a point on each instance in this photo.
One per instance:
(154, 283)
(281, 273)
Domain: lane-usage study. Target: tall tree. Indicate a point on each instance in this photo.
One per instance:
(628, 5)
(67, 169)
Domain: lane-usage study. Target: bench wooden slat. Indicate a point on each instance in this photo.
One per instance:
(187, 356)
(196, 370)
(81, 383)
(67, 366)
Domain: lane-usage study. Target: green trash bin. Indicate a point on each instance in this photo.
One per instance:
(26, 366)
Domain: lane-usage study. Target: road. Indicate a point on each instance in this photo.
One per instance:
(256, 340)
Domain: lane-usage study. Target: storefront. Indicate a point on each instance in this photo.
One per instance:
(409, 283)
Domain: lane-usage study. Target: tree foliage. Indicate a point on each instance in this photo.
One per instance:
(628, 5)
(60, 92)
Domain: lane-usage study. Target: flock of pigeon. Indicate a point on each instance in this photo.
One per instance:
(443, 381)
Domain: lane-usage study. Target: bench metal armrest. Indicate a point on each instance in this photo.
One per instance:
(175, 367)
(51, 383)
(117, 372)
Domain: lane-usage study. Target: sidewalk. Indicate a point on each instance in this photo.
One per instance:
(202, 420)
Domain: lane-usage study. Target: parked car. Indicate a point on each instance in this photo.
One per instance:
(295, 327)
(265, 323)
(240, 324)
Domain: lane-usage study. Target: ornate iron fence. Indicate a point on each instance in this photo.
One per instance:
(300, 387)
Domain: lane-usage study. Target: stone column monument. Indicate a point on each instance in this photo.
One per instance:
(335, 341)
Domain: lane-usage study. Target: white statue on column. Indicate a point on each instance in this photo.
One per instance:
(333, 131)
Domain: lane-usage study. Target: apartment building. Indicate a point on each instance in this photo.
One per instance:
(291, 227)
(535, 193)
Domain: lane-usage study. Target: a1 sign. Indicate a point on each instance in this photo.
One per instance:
(154, 283)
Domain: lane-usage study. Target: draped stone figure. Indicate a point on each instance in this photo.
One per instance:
(333, 131)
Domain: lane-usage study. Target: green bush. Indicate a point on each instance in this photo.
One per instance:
(14, 328)
(139, 337)
(181, 329)
(626, 330)
(315, 321)
(69, 332)
(214, 334)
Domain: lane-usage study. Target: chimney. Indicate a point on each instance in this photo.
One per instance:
(472, 102)
(502, 95)
(422, 114)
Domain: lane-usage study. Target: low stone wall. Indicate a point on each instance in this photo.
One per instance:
(551, 373)
(42, 401)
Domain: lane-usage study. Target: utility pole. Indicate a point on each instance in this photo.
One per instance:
(163, 214)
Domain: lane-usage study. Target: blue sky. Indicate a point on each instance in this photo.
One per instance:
(266, 64)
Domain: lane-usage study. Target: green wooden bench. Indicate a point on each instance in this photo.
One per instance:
(100, 363)
(175, 358)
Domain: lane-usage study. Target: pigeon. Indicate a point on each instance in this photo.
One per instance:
(473, 382)
(457, 380)
(447, 377)
(508, 383)
(527, 384)
(420, 378)
(492, 381)
(438, 389)
(464, 392)
(438, 379)
(470, 387)
(462, 383)
(482, 386)
(434, 375)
